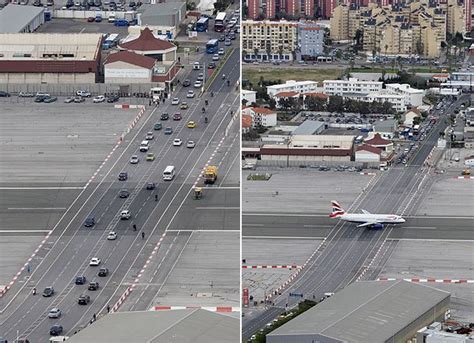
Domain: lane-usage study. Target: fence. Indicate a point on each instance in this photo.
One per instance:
(316, 164)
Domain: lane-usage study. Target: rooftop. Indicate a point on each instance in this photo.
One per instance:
(384, 125)
(369, 148)
(13, 17)
(162, 14)
(377, 140)
(131, 58)
(183, 326)
(286, 94)
(290, 83)
(246, 121)
(309, 127)
(147, 42)
(365, 311)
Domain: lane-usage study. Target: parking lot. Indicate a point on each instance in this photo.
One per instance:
(58, 25)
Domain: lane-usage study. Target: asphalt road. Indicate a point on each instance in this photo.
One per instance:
(341, 257)
(70, 247)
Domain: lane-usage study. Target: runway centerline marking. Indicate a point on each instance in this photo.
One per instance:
(217, 208)
(36, 208)
(39, 188)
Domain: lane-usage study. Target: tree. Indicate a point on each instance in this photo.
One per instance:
(313, 103)
(255, 52)
(244, 102)
(335, 104)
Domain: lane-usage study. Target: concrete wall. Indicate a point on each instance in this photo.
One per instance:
(77, 14)
(306, 159)
(49, 78)
(125, 73)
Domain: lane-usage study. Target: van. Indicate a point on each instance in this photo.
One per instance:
(196, 66)
(168, 173)
(144, 146)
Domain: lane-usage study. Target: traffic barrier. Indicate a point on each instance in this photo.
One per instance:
(272, 266)
(428, 280)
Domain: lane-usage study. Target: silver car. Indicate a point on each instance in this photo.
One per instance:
(54, 313)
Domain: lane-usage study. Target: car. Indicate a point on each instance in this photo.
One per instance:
(227, 42)
(150, 156)
(98, 99)
(68, 100)
(157, 126)
(56, 330)
(150, 186)
(165, 116)
(93, 286)
(83, 93)
(90, 19)
(149, 136)
(221, 38)
(123, 176)
(94, 262)
(184, 106)
(200, 77)
(84, 299)
(177, 142)
(168, 131)
(186, 83)
(111, 236)
(232, 36)
(113, 98)
(198, 84)
(221, 51)
(79, 99)
(196, 66)
(89, 222)
(191, 124)
(103, 272)
(54, 313)
(23, 94)
(211, 65)
(215, 57)
(248, 166)
(190, 144)
(124, 193)
(49, 99)
(177, 116)
(190, 94)
(134, 159)
(125, 215)
(80, 280)
(48, 291)
(175, 101)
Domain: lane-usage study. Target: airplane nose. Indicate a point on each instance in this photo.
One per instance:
(402, 220)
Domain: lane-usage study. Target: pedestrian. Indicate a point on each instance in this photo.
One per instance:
(28, 268)
(149, 102)
(94, 316)
(34, 290)
(134, 227)
(108, 308)
(143, 235)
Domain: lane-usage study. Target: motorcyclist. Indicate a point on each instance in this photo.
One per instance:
(34, 290)
(228, 83)
(156, 197)
(212, 94)
(143, 235)
(206, 102)
(134, 227)
(203, 110)
(205, 120)
(223, 76)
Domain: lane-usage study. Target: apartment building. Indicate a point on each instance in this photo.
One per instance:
(293, 86)
(353, 86)
(412, 96)
(253, 9)
(339, 23)
(310, 39)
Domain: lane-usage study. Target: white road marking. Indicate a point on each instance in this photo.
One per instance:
(282, 237)
(39, 188)
(22, 231)
(419, 227)
(36, 208)
(218, 208)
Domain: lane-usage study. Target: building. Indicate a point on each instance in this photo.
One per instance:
(386, 128)
(269, 40)
(339, 23)
(190, 325)
(250, 97)
(128, 67)
(310, 40)
(352, 86)
(310, 127)
(367, 311)
(20, 19)
(299, 87)
(412, 96)
(469, 161)
(433, 334)
(368, 154)
(285, 95)
(163, 16)
(261, 116)
(291, 7)
(308, 9)
(270, 9)
(254, 9)
(246, 123)
(53, 58)
(410, 116)
(385, 145)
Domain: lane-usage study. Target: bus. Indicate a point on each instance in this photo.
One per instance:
(212, 46)
(219, 22)
(202, 24)
(111, 41)
(168, 173)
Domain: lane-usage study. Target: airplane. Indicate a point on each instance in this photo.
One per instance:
(366, 219)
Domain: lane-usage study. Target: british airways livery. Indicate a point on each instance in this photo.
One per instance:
(365, 219)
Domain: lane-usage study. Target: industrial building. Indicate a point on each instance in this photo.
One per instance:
(50, 58)
(386, 128)
(189, 325)
(20, 19)
(310, 127)
(162, 18)
(367, 311)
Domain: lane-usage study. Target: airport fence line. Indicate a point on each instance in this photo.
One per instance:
(316, 164)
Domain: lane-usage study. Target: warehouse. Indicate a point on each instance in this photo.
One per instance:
(20, 19)
(128, 67)
(367, 311)
(45, 58)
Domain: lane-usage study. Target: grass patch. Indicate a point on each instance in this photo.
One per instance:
(259, 177)
(394, 71)
(285, 74)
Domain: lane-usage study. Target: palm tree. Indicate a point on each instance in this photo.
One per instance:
(255, 52)
(280, 52)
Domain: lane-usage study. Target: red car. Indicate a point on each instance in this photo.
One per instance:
(177, 116)
(90, 19)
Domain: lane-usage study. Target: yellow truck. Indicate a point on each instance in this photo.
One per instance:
(210, 174)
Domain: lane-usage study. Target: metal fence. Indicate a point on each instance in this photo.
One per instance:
(317, 164)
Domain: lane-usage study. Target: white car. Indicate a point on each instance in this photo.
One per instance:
(149, 136)
(196, 66)
(215, 57)
(83, 93)
(177, 142)
(198, 84)
(134, 159)
(99, 98)
(221, 51)
(125, 214)
(190, 144)
(54, 313)
(111, 236)
(190, 94)
(200, 77)
(95, 261)
(175, 101)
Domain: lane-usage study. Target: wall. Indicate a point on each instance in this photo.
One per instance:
(77, 14)
(49, 78)
(121, 72)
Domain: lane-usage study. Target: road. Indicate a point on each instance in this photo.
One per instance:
(68, 250)
(340, 258)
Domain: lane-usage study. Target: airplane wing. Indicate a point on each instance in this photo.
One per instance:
(366, 212)
(368, 223)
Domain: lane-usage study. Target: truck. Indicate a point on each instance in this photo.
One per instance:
(210, 174)
(156, 94)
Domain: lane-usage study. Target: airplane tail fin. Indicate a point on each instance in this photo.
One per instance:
(337, 210)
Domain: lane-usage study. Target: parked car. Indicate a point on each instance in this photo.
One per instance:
(83, 93)
(4, 94)
(113, 98)
(25, 94)
(68, 100)
(49, 99)
(79, 99)
(98, 99)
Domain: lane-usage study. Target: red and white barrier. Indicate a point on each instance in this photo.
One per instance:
(128, 106)
(369, 174)
(272, 266)
(428, 280)
(464, 177)
(224, 309)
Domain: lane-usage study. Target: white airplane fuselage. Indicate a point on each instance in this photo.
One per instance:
(371, 218)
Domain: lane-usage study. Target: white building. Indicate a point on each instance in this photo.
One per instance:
(367, 153)
(413, 96)
(353, 85)
(20, 19)
(249, 96)
(310, 39)
(293, 86)
(397, 101)
(261, 116)
(410, 116)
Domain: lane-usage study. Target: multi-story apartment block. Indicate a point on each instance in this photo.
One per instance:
(339, 23)
(353, 86)
(298, 87)
(253, 9)
(270, 9)
(310, 39)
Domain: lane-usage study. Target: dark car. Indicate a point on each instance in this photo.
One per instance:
(150, 186)
(186, 83)
(113, 98)
(165, 116)
(168, 131)
(50, 99)
(56, 330)
(89, 222)
(48, 291)
(211, 65)
(177, 116)
(221, 38)
(90, 19)
(4, 94)
(84, 299)
(93, 286)
(157, 126)
(124, 193)
(40, 98)
(123, 176)
(80, 280)
(103, 272)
